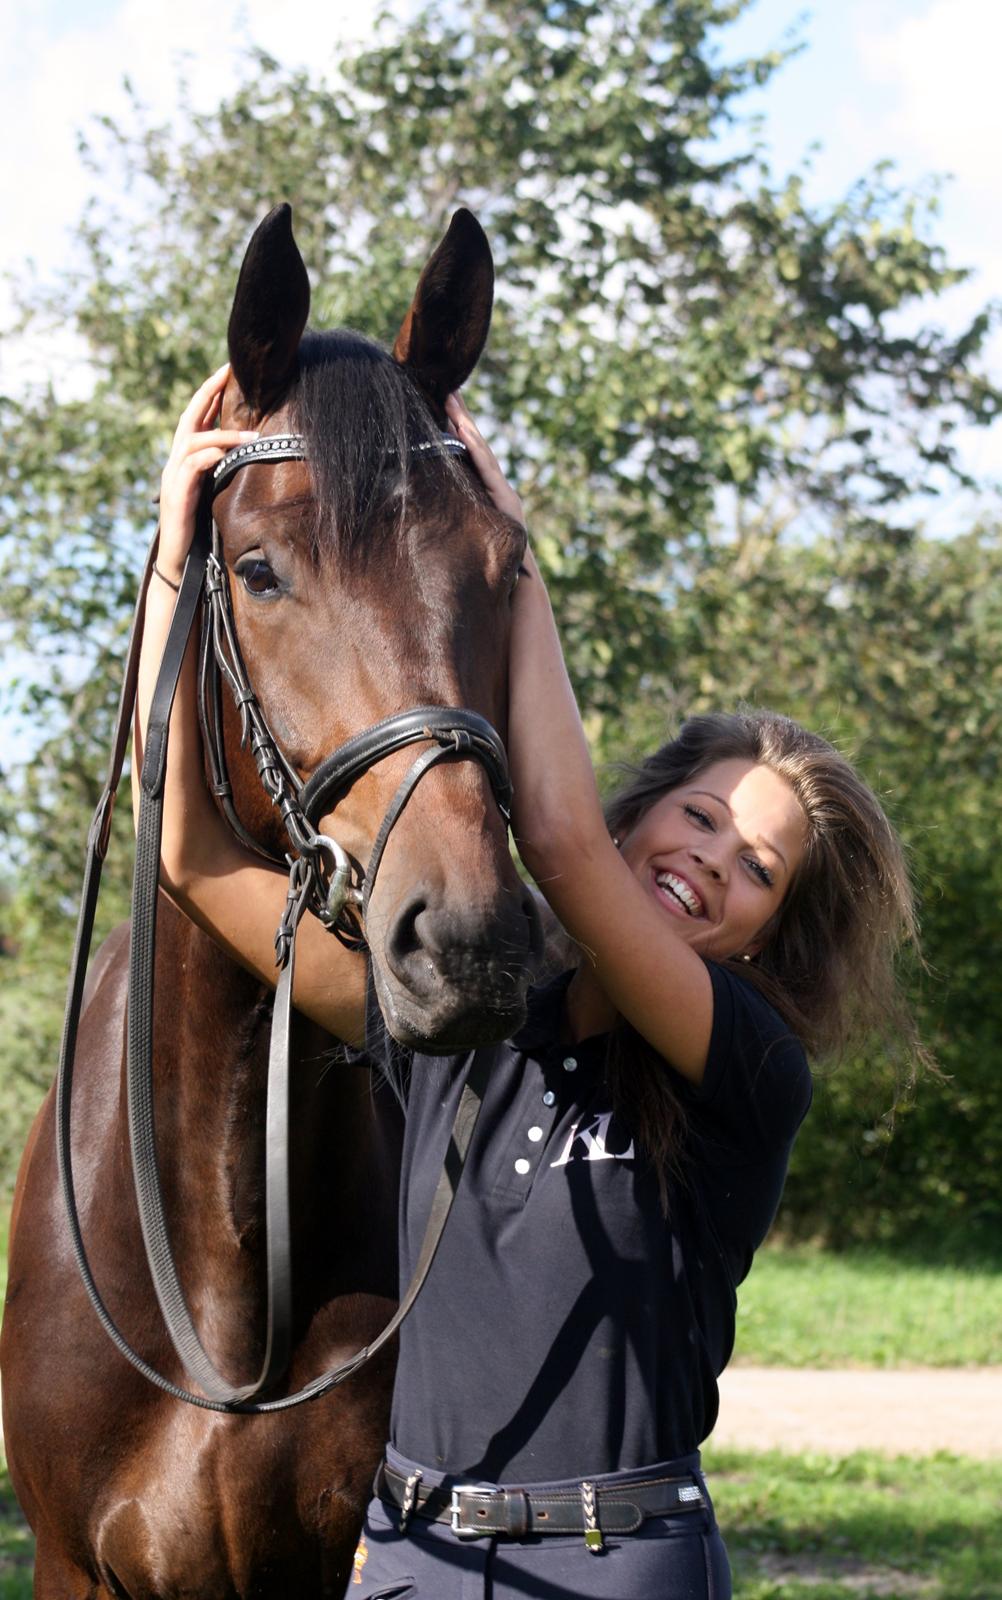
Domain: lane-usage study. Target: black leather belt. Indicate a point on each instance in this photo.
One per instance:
(590, 1509)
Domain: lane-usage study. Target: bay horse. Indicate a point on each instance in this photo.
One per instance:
(402, 579)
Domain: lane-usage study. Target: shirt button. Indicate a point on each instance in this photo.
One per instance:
(549, 1098)
(522, 1166)
(570, 1065)
(535, 1134)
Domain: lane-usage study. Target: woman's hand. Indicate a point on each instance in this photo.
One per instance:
(483, 458)
(197, 446)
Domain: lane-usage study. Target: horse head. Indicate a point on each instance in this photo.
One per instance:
(369, 578)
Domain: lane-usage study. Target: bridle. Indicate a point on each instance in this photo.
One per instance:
(335, 893)
(322, 880)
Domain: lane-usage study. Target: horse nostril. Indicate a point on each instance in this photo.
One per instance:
(404, 941)
(432, 943)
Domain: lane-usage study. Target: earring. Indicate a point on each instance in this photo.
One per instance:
(617, 842)
(746, 958)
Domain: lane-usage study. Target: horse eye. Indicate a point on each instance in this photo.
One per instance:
(257, 577)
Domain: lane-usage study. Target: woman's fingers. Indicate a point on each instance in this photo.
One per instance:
(197, 447)
(226, 438)
(483, 458)
(207, 396)
(211, 388)
(178, 503)
(460, 415)
(185, 457)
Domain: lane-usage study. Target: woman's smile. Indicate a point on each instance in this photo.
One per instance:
(678, 894)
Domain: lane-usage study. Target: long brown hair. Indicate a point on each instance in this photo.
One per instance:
(828, 963)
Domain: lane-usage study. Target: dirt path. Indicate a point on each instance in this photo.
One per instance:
(913, 1412)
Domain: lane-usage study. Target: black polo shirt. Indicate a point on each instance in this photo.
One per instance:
(567, 1327)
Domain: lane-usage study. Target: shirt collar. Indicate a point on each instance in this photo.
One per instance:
(540, 1034)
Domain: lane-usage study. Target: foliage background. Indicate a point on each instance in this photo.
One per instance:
(726, 430)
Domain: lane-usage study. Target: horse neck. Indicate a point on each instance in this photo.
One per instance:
(210, 1036)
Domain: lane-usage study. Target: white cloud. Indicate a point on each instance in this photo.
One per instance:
(940, 68)
(931, 102)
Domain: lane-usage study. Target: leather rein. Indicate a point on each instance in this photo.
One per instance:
(322, 880)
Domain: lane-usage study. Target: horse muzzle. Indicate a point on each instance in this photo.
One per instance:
(452, 974)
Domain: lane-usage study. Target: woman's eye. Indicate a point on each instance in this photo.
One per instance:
(257, 576)
(699, 816)
(762, 873)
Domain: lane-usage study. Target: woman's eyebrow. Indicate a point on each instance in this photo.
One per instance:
(759, 843)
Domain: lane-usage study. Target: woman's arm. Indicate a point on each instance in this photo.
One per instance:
(645, 970)
(219, 884)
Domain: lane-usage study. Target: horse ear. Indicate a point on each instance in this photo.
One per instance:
(445, 330)
(270, 308)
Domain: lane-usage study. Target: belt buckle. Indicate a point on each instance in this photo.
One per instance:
(456, 1510)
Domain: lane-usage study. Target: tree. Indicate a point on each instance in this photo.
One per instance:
(681, 342)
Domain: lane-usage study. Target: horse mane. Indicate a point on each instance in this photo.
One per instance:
(361, 414)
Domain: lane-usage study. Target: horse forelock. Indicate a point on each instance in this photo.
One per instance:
(362, 415)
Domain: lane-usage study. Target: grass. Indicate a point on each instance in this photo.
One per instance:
(859, 1527)
(798, 1528)
(17, 1547)
(802, 1307)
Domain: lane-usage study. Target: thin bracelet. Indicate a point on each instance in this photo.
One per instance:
(164, 579)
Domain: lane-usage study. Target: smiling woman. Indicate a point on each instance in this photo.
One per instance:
(784, 872)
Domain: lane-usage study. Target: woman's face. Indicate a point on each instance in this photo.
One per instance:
(719, 853)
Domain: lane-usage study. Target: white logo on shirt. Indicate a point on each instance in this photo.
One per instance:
(592, 1138)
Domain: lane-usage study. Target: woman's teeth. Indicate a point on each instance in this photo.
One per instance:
(680, 889)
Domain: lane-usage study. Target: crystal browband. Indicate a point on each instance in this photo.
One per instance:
(292, 447)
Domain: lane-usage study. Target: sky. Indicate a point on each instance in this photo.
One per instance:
(63, 64)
